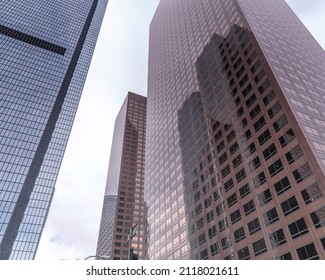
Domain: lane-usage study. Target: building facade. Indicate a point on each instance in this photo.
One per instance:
(46, 49)
(235, 160)
(125, 183)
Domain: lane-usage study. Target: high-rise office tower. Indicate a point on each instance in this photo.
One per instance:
(46, 49)
(236, 152)
(124, 206)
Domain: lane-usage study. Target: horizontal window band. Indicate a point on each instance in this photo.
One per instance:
(31, 40)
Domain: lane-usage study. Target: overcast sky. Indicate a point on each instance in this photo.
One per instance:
(119, 65)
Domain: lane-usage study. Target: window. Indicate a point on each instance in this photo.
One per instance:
(323, 242)
(270, 217)
(218, 135)
(216, 194)
(255, 111)
(237, 63)
(247, 135)
(269, 152)
(231, 200)
(214, 181)
(286, 256)
(197, 196)
(200, 223)
(235, 216)
(204, 254)
(237, 101)
(231, 136)
(274, 110)
(231, 83)
(259, 124)
(259, 247)
(225, 171)
(269, 97)
(222, 225)
(219, 209)
(277, 238)
(318, 217)
(215, 126)
(212, 231)
(264, 197)
(207, 202)
(247, 90)
(237, 160)
(255, 66)
(308, 252)
(214, 249)
(234, 56)
(210, 216)
(289, 206)
(225, 242)
(259, 76)
(250, 149)
(249, 207)
(240, 112)
(287, 138)
(240, 71)
(254, 164)
(239, 234)
(302, 173)
(259, 180)
(254, 226)
(229, 184)
(264, 86)
(311, 193)
(233, 148)
(243, 81)
(282, 186)
(223, 158)
(240, 175)
(294, 154)
(251, 100)
(281, 122)
(275, 168)
(266, 135)
(251, 58)
(227, 126)
(244, 191)
(220, 146)
(243, 123)
(298, 228)
(243, 254)
(201, 238)
(198, 209)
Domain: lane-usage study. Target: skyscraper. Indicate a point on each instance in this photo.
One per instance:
(124, 206)
(46, 49)
(235, 153)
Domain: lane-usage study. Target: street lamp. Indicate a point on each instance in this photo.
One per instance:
(103, 257)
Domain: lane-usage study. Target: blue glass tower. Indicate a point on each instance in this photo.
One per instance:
(46, 49)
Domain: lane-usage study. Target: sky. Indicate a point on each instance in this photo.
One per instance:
(119, 65)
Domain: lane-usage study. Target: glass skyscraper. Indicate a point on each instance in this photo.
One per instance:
(124, 206)
(46, 49)
(235, 133)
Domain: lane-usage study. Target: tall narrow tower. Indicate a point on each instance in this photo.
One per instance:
(46, 49)
(235, 155)
(124, 206)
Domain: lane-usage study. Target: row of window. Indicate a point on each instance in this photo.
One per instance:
(277, 238)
